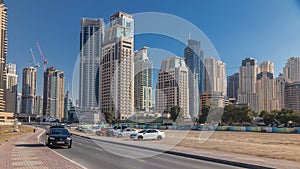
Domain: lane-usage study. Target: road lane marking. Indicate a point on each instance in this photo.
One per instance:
(69, 159)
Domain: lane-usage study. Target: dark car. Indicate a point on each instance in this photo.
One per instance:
(58, 136)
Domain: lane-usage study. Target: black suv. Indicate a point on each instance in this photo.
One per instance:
(58, 136)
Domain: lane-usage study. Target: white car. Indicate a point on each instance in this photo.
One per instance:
(126, 132)
(148, 134)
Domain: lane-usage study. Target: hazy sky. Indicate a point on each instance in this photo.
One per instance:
(263, 29)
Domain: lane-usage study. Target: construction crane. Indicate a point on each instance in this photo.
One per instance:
(36, 65)
(42, 55)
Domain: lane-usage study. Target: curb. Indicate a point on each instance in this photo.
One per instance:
(176, 153)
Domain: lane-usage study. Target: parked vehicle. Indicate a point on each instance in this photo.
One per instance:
(126, 132)
(148, 134)
(103, 131)
(58, 136)
(115, 130)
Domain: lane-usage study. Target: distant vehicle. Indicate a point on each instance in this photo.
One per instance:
(115, 130)
(103, 131)
(126, 132)
(58, 136)
(148, 134)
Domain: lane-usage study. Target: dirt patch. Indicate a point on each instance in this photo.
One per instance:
(7, 132)
(270, 145)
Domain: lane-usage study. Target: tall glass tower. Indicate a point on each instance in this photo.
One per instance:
(3, 52)
(91, 37)
(194, 60)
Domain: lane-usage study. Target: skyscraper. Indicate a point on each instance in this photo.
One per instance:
(291, 71)
(215, 75)
(265, 87)
(172, 88)
(292, 96)
(3, 52)
(11, 88)
(117, 67)
(194, 60)
(39, 105)
(247, 84)
(280, 83)
(142, 80)
(53, 97)
(233, 86)
(91, 38)
(67, 106)
(28, 90)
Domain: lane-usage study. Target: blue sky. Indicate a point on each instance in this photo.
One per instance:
(263, 29)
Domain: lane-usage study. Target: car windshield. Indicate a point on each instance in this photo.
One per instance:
(59, 131)
(142, 131)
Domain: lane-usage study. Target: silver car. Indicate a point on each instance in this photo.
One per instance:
(126, 132)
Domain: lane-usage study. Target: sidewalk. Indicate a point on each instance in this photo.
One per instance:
(201, 153)
(25, 152)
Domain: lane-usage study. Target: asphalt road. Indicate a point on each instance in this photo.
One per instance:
(89, 154)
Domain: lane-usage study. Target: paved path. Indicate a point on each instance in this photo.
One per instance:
(25, 152)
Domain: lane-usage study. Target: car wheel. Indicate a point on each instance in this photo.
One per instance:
(159, 138)
(120, 135)
(70, 146)
(140, 138)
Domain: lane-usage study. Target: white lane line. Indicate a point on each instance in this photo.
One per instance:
(69, 159)
(40, 136)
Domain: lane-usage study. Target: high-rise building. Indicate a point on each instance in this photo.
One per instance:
(19, 103)
(280, 83)
(247, 84)
(3, 52)
(172, 88)
(39, 106)
(11, 88)
(67, 106)
(265, 87)
(233, 86)
(142, 80)
(117, 67)
(91, 38)
(292, 96)
(53, 97)
(215, 75)
(194, 60)
(291, 71)
(28, 90)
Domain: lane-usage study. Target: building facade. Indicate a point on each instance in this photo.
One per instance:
(172, 88)
(194, 61)
(265, 87)
(211, 98)
(292, 96)
(247, 84)
(28, 90)
(280, 83)
(11, 87)
(117, 67)
(215, 75)
(91, 38)
(67, 106)
(233, 86)
(142, 80)
(3, 53)
(291, 71)
(39, 106)
(53, 97)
